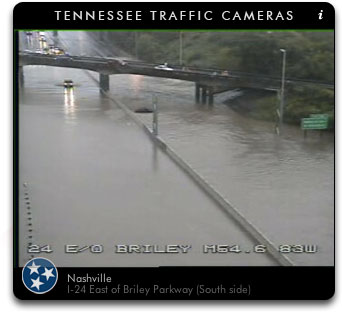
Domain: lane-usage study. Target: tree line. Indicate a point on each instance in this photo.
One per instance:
(309, 56)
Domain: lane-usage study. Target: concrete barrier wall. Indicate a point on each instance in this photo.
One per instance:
(251, 229)
(242, 221)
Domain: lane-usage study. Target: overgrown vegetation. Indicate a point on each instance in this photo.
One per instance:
(309, 55)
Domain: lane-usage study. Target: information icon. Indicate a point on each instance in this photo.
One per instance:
(39, 275)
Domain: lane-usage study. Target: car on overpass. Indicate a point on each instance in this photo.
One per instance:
(59, 51)
(56, 50)
(163, 67)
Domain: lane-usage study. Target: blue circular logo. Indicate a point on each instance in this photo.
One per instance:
(39, 275)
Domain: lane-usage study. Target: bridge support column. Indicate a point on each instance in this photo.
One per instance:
(104, 82)
(55, 33)
(204, 95)
(211, 95)
(197, 92)
(21, 75)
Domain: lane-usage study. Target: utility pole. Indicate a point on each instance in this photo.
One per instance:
(280, 111)
(136, 44)
(180, 48)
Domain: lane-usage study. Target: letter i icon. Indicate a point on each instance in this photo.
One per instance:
(320, 15)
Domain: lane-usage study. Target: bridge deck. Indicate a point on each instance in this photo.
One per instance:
(209, 77)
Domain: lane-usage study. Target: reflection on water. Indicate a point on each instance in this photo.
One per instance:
(69, 104)
(100, 180)
(136, 81)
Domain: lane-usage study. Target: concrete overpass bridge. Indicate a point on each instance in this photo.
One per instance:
(207, 81)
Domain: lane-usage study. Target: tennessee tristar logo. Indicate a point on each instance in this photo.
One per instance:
(39, 275)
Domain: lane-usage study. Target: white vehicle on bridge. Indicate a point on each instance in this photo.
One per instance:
(56, 50)
(163, 67)
(59, 51)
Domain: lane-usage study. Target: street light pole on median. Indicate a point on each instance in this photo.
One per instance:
(155, 115)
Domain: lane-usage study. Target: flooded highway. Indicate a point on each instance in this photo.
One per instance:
(94, 177)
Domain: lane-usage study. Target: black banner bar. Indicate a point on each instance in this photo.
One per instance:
(138, 15)
(174, 283)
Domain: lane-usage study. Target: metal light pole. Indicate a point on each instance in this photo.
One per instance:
(180, 48)
(136, 44)
(155, 115)
(282, 91)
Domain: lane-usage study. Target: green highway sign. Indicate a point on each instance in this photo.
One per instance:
(316, 122)
(319, 116)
